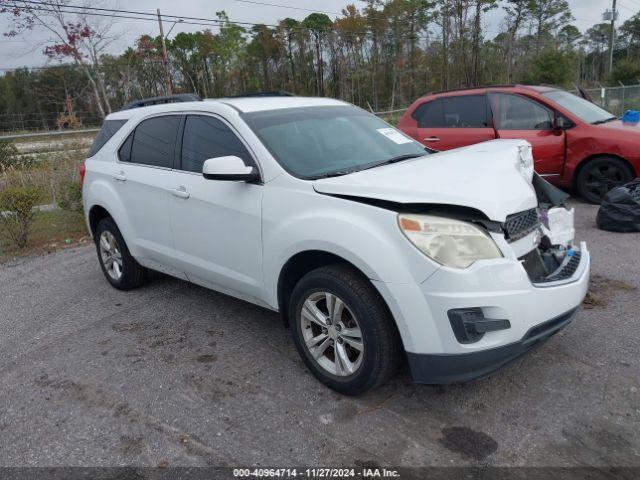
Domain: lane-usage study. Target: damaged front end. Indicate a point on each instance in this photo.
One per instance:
(555, 258)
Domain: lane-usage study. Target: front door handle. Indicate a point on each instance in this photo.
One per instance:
(180, 192)
(120, 176)
(432, 139)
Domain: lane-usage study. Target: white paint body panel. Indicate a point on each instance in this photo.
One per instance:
(236, 237)
(481, 176)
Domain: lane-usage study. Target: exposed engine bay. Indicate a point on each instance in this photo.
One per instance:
(556, 258)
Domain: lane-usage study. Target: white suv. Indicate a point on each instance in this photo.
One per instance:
(372, 249)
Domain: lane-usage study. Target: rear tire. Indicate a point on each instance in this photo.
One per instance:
(343, 330)
(119, 267)
(600, 175)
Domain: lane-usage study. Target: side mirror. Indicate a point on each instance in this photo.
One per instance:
(229, 168)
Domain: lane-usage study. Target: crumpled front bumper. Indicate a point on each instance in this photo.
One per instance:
(500, 289)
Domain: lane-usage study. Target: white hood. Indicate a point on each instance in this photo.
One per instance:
(483, 176)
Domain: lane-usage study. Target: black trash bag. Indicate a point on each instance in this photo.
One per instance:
(620, 209)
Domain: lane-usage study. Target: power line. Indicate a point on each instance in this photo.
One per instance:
(635, 2)
(199, 21)
(80, 10)
(288, 7)
(112, 15)
(326, 12)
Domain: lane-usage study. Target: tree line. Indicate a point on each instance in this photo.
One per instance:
(379, 54)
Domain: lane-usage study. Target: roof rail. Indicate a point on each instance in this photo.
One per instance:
(274, 93)
(478, 87)
(145, 102)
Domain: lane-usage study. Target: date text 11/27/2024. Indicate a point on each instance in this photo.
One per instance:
(321, 472)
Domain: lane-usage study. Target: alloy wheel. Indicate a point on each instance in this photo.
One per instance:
(332, 334)
(110, 255)
(604, 177)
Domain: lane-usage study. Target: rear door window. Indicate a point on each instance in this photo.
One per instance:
(207, 137)
(108, 130)
(466, 111)
(152, 142)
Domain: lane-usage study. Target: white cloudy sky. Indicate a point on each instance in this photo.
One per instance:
(27, 51)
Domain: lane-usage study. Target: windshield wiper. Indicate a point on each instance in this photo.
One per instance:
(339, 173)
(397, 159)
(606, 120)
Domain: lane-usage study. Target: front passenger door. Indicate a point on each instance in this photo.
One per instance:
(216, 224)
(516, 116)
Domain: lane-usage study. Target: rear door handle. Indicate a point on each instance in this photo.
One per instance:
(432, 139)
(120, 176)
(180, 192)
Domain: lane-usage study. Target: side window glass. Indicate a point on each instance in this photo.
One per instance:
(207, 137)
(153, 141)
(513, 112)
(124, 154)
(468, 111)
(108, 130)
(429, 115)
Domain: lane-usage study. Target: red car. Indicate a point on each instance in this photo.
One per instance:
(576, 144)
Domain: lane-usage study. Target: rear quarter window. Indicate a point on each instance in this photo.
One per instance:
(108, 130)
(429, 115)
(466, 111)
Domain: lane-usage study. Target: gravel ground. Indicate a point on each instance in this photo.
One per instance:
(173, 374)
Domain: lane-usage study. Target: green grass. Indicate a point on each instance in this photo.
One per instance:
(50, 231)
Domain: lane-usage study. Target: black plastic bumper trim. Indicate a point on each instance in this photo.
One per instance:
(459, 368)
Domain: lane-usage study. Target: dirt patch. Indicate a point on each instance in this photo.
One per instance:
(601, 288)
(206, 359)
(128, 327)
(469, 443)
(131, 445)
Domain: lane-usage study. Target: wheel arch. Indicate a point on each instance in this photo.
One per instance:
(96, 214)
(302, 263)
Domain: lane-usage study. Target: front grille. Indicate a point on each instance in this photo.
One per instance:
(567, 271)
(519, 225)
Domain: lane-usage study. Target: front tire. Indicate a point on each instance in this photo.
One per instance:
(343, 330)
(600, 175)
(119, 267)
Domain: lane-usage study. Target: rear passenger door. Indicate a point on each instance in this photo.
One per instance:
(216, 223)
(452, 122)
(142, 177)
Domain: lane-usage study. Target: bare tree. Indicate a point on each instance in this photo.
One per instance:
(73, 35)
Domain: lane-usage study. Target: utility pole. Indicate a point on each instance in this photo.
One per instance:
(165, 57)
(612, 39)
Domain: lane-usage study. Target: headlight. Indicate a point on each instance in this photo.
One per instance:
(450, 242)
(525, 162)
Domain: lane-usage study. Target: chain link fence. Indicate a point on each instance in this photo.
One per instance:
(616, 100)
(14, 123)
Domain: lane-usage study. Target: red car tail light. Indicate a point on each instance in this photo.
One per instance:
(82, 170)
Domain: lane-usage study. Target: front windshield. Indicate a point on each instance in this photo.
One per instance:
(581, 108)
(314, 142)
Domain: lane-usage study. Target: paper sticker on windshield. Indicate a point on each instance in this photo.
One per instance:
(394, 135)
